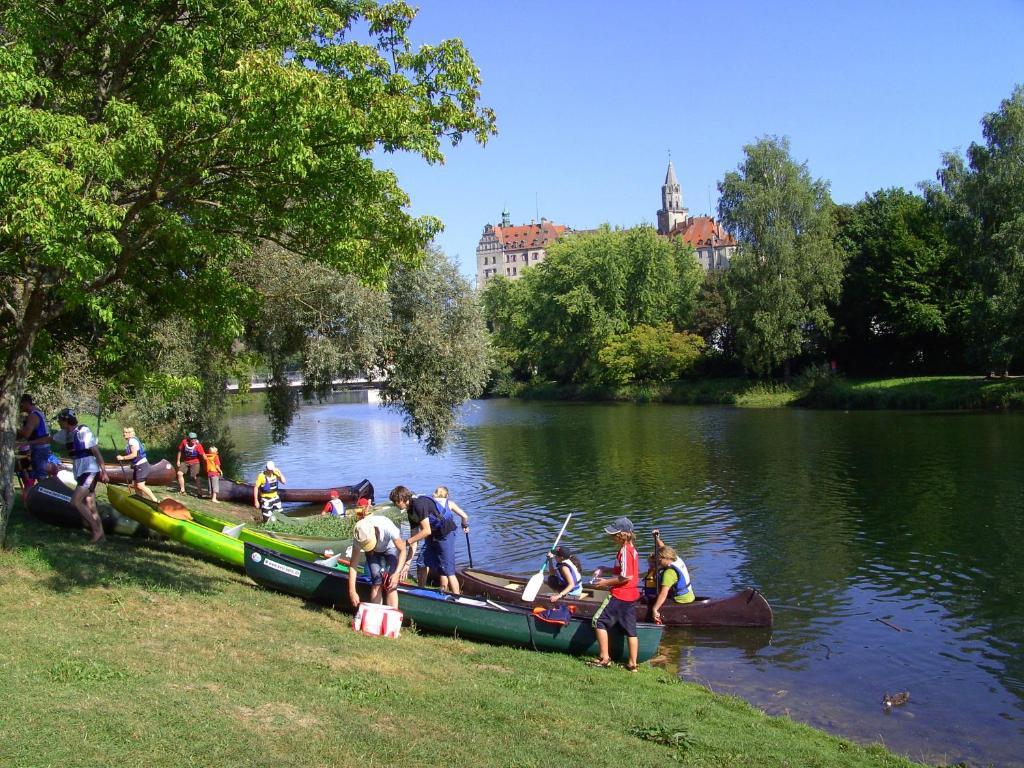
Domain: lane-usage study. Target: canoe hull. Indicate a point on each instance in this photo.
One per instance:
(212, 543)
(434, 612)
(349, 494)
(743, 609)
(49, 500)
(160, 473)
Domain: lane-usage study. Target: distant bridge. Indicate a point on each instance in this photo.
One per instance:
(296, 381)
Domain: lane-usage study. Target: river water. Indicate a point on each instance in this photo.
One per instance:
(889, 544)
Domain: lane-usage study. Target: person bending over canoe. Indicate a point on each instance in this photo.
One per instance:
(673, 579)
(564, 574)
(439, 548)
(264, 492)
(379, 539)
(135, 452)
(618, 607)
(87, 463)
(418, 509)
(191, 450)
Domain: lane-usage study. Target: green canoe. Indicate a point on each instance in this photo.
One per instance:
(191, 534)
(486, 621)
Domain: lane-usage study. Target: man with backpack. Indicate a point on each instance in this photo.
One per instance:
(425, 519)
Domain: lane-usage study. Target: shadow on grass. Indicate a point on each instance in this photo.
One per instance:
(149, 564)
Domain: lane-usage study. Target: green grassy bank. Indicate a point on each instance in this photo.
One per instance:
(139, 653)
(915, 393)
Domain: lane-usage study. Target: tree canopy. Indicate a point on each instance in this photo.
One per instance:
(900, 308)
(146, 147)
(788, 268)
(983, 202)
(554, 321)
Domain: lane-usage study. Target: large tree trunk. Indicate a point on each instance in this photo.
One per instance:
(12, 382)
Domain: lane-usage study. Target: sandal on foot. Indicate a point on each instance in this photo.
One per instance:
(603, 663)
(631, 667)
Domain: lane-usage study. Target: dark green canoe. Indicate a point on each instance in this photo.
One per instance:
(433, 611)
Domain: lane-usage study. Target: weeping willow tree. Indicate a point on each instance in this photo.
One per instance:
(423, 339)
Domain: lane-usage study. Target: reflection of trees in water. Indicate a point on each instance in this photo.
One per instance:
(923, 507)
(604, 460)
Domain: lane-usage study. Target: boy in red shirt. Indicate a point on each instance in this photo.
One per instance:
(619, 607)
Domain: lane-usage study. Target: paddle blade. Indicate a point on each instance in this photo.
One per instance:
(533, 587)
(234, 531)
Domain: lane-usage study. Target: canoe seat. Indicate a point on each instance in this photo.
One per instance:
(513, 585)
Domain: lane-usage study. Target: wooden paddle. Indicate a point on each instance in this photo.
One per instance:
(657, 563)
(469, 550)
(537, 580)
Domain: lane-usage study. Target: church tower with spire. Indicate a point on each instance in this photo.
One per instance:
(672, 211)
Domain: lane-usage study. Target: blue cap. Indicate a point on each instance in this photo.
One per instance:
(621, 525)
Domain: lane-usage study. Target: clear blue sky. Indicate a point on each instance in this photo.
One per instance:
(590, 96)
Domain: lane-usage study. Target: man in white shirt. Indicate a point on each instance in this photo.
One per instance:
(87, 464)
(380, 539)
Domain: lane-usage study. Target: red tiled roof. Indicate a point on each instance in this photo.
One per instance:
(702, 230)
(529, 235)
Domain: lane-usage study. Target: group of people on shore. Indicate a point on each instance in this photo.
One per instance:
(35, 439)
(433, 523)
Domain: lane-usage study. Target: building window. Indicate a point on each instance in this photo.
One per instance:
(513, 270)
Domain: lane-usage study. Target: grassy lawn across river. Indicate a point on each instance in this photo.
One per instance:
(940, 393)
(140, 653)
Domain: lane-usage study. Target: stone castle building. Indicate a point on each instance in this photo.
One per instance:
(714, 246)
(506, 250)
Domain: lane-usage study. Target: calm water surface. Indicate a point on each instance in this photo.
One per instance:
(845, 521)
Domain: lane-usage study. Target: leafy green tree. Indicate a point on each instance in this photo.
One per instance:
(504, 304)
(313, 319)
(899, 310)
(645, 354)
(983, 200)
(560, 314)
(435, 347)
(146, 147)
(788, 267)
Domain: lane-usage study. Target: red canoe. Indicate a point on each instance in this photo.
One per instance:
(744, 609)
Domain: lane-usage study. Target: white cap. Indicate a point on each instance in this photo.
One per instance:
(270, 466)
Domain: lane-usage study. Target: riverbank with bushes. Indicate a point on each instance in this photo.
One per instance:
(140, 652)
(941, 393)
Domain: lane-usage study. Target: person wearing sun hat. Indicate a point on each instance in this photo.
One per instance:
(264, 492)
(624, 590)
(378, 538)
